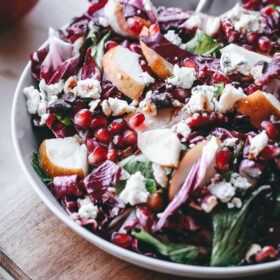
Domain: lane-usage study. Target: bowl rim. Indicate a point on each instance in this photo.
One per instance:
(124, 254)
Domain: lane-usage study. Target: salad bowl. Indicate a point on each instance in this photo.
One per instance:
(26, 140)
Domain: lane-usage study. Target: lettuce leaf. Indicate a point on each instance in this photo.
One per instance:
(180, 253)
(234, 231)
(140, 163)
(219, 89)
(203, 44)
(37, 166)
(64, 119)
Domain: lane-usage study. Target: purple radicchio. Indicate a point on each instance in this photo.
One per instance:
(90, 69)
(258, 4)
(96, 10)
(180, 198)
(98, 182)
(37, 59)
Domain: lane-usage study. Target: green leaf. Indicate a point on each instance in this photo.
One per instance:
(37, 166)
(234, 232)
(93, 33)
(218, 90)
(121, 186)
(64, 119)
(203, 44)
(150, 185)
(97, 50)
(180, 253)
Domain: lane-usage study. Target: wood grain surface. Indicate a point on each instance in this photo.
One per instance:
(35, 244)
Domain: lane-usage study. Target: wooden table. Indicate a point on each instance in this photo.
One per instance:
(35, 244)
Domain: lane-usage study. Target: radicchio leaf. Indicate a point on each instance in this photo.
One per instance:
(96, 10)
(258, 4)
(90, 69)
(65, 185)
(37, 59)
(97, 183)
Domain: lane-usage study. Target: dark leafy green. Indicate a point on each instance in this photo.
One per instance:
(234, 231)
(203, 44)
(276, 212)
(64, 119)
(140, 163)
(36, 165)
(97, 49)
(219, 89)
(180, 253)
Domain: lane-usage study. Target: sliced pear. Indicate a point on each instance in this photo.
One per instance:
(207, 151)
(63, 156)
(253, 57)
(259, 106)
(160, 146)
(160, 66)
(122, 67)
(113, 12)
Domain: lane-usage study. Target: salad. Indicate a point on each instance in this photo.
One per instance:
(159, 128)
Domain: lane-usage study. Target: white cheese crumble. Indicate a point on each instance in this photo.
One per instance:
(256, 71)
(135, 190)
(119, 107)
(87, 209)
(33, 99)
(183, 77)
(239, 182)
(257, 144)
(146, 78)
(230, 142)
(174, 38)
(93, 104)
(235, 203)
(232, 63)
(244, 20)
(106, 108)
(224, 191)
(183, 129)
(88, 88)
(202, 99)
(70, 83)
(253, 250)
(229, 97)
(159, 173)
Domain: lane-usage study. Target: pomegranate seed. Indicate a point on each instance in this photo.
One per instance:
(118, 141)
(117, 126)
(271, 130)
(251, 89)
(220, 78)
(98, 155)
(103, 135)
(130, 137)
(180, 94)
(269, 152)
(112, 154)
(83, 118)
(154, 29)
(110, 44)
(190, 63)
(98, 121)
(222, 160)
(121, 239)
(264, 44)
(268, 252)
(134, 47)
(136, 120)
(135, 24)
(252, 37)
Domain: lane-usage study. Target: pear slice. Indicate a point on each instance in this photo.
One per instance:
(160, 66)
(63, 156)
(122, 67)
(160, 146)
(259, 106)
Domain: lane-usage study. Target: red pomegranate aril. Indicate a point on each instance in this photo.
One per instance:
(98, 121)
(130, 137)
(135, 24)
(222, 160)
(112, 153)
(110, 44)
(190, 63)
(103, 135)
(154, 29)
(180, 94)
(136, 120)
(121, 239)
(271, 130)
(252, 37)
(134, 47)
(83, 118)
(267, 252)
(117, 126)
(264, 44)
(92, 144)
(98, 155)
(118, 141)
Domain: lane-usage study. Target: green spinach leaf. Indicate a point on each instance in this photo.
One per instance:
(37, 166)
(64, 119)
